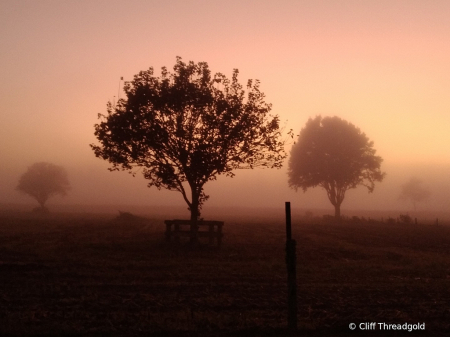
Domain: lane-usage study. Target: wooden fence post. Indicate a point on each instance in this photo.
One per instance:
(291, 270)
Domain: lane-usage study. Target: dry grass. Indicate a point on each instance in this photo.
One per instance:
(85, 275)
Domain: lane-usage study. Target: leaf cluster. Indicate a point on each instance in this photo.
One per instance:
(414, 190)
(189, 126)
(334, 154)
(43, 180)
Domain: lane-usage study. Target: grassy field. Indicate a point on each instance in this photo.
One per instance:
(97, 275)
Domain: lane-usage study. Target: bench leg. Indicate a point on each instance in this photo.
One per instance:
(168, 232)
(176, 233)
(219, 235)
(211, 235)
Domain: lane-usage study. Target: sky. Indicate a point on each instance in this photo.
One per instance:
(382, 65)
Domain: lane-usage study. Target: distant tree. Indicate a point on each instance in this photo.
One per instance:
(414, 191)
(405, 218)
(186, 127)
(335, 155)
(42, 181)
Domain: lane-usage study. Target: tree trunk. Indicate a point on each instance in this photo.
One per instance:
(194, 217)
(337, 213)
(41, 200)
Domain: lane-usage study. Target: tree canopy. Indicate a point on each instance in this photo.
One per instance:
(414, 191)
(186, 127)
(335, 155)
(43, 180)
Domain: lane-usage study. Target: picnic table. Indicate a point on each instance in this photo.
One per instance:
(209, 229)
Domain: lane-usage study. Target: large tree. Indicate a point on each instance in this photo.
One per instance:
(186, 127)
(335, 155)
(43, 180)
(414, 191)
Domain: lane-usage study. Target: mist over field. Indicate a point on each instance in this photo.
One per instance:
(196, 87)
(96, 190)
(383, 66)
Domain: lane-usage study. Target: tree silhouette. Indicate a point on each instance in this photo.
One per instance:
(333, 154)
(186, 127)
(42, 181)
(414, 191)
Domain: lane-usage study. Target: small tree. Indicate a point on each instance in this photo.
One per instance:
(42, 181)
(186, 127)
(335, 155)
(405, 218)
(414, 191)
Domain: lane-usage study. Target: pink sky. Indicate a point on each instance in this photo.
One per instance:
(382, 65)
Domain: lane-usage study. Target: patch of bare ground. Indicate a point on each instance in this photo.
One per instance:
(85, 275)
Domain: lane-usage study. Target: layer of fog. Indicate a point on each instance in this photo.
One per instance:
(94, 186)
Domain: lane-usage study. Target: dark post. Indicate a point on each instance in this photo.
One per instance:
(288, 221)
(291, 269)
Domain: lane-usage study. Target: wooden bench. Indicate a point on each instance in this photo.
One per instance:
(177, 228)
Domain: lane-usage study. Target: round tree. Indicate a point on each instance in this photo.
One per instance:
(335, 155)
(42, 181)
(186, 127)
(414, 191)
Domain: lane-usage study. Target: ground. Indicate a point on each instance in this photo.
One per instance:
(102, 275)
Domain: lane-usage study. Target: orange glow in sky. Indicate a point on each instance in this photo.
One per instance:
(382, 65)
